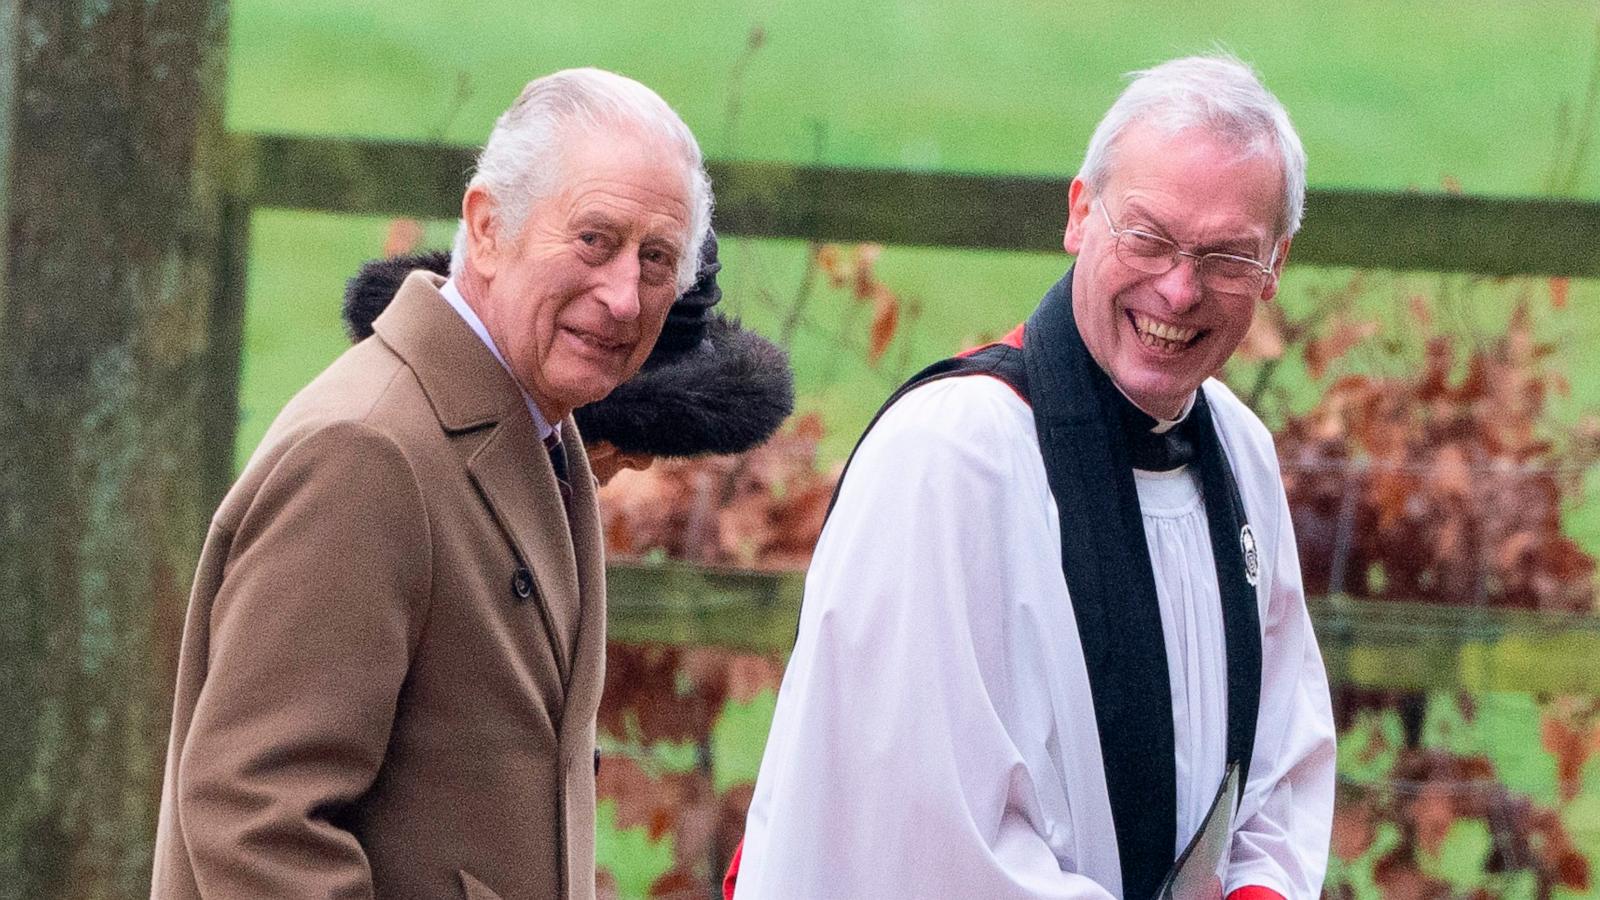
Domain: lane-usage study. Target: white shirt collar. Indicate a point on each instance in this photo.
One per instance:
(1162, 426)
(452, 296)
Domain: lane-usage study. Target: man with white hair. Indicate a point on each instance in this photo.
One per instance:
(393, 653)
(1055, 610)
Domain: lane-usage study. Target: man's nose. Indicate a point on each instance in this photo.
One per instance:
(619, 287)
(1181, 286)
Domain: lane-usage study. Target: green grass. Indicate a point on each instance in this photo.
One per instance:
(1386, 94)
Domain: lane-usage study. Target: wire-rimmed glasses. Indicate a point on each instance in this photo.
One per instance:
(1223, 273)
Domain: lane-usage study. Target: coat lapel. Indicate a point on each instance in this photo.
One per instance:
(588, 674)
(513, 473)
(576, 733)
(470, 391)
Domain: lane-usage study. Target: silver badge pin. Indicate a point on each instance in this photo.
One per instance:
(1252, 560)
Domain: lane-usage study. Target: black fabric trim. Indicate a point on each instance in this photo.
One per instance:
(1240, 615)
(1106, 564)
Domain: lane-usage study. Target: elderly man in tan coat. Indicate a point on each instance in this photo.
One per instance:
(394, 650)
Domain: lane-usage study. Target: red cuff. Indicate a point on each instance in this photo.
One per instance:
(732, 877)
(1255, 892)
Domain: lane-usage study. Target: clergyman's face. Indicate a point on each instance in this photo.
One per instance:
(1160, 336)
(576, 300)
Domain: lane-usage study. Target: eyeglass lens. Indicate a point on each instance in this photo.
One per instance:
(1220, 272)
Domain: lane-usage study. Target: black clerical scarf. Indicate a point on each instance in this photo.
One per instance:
(1091, 437)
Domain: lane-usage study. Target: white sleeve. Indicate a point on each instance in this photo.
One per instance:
(889, 771)
(1283, 844)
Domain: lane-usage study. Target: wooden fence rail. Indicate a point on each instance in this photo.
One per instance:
(1400, 646)
(1366, 229)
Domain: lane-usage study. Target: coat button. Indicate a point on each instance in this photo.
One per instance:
(522, 584)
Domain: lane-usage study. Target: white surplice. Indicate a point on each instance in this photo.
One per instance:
(935, 734)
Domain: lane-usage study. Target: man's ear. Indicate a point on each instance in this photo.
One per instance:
(483, 245)
(1271, 290)
(1077, 216)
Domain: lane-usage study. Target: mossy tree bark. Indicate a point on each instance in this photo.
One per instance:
(117, 347)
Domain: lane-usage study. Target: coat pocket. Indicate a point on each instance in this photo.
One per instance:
(473, 889)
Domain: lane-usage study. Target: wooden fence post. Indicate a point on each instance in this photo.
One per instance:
(111, 187)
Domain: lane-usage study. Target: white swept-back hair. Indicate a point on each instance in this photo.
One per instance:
(521, 162)
(1216, 93)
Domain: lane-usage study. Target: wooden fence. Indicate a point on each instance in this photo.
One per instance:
(1368, 229)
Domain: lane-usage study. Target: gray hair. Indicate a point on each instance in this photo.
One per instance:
(521, 163)
(1219, 94)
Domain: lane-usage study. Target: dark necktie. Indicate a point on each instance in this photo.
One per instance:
(558, 462)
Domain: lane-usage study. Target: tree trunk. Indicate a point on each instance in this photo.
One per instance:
(111, 197)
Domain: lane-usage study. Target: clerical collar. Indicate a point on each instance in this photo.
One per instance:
(452, 296)
(1159, 425)
(1156, 445)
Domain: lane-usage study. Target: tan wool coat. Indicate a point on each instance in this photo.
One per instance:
(394, 650)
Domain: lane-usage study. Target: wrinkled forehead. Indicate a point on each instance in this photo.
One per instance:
(1196, 171)
(637, 166)
(1161, 136)
(580, 143)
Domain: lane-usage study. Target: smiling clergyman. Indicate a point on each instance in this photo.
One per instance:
(1052, 606)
